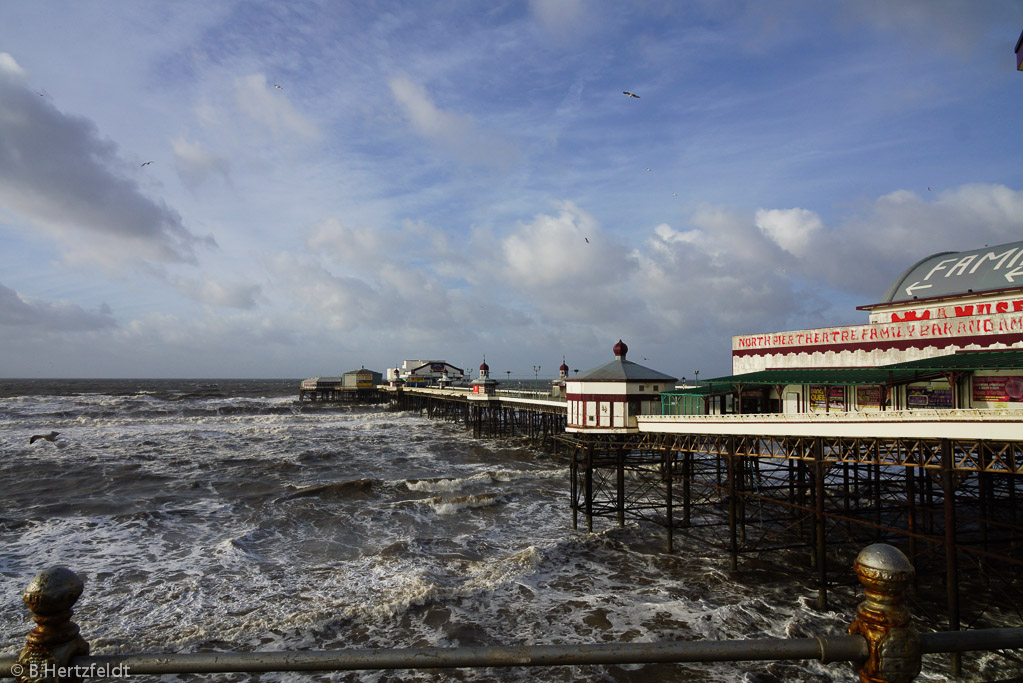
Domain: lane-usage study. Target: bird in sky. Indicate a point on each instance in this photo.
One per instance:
(278, 87)
(587, 239)
(146, 163)
(46, 437)
(626, 92)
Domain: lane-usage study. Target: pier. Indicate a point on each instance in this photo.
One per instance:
(942, 485)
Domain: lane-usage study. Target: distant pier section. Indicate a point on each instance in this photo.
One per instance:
(356, 386)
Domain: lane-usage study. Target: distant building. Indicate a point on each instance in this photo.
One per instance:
(484, 385)
(558, 385)
(361, 379)
(424, 373)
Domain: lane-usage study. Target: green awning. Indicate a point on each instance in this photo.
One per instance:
(896, 373)
(1002, 359)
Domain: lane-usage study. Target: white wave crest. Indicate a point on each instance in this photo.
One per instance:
(449, 506)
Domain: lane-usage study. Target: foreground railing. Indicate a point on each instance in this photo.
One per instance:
(882, 643)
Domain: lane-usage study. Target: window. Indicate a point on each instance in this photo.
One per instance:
(642, 387)
(657, 387)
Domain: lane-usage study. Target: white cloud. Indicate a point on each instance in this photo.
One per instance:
(566, 250)
(195, 163)
(791, 229)
(212, 292)
(898, 229)
(363, 246)
(458, 134)
(269, 106)
(9, 66)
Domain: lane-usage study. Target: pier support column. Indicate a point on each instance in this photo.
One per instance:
(687, 477)
(589, 488)
(668, 470)
(620, 493)
(948, 485)
(820, 552)
(574, 476)
(733, 504)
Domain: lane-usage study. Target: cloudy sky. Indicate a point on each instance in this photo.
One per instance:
(270, 189)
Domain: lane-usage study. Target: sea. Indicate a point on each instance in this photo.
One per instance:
(226, 515)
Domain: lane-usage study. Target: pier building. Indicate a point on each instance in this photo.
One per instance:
(426, 373)
(607, 399)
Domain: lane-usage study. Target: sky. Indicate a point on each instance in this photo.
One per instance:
(286, 190)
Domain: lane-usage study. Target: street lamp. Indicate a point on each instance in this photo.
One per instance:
(697, 373)
(536, 377)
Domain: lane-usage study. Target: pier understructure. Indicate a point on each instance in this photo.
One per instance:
(945, 486)
(539, 419)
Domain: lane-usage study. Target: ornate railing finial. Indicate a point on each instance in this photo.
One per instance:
(50, 646)
(883, 619)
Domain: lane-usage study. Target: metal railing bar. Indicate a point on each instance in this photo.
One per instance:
(826, 649)
(964, 641)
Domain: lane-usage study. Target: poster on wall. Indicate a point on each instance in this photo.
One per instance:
(835, 399)
(868, 397)
(928, 397)
(997, 389)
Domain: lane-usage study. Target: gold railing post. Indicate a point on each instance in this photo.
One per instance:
(883, 619)
(50, 646)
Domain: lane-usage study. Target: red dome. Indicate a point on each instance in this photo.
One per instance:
(620, 349)
(484, 367)
(564, 367)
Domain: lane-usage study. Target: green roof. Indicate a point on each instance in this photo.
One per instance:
(1002, 359)
(897, 373)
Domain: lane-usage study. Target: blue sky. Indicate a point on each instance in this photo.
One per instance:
(346, 184)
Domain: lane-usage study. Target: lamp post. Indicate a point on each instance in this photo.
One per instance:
(697, 373)
(536, 378)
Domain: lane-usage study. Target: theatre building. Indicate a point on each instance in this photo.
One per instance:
(948, 334)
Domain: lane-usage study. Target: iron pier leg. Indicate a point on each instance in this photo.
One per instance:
(911, 520)
(733, 544)
(951, 559)
(687, 475)
(574, 475)
(668, 460)
(620, 457)
(821, 552)
(589, 488)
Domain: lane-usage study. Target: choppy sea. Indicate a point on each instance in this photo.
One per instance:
(212, 515)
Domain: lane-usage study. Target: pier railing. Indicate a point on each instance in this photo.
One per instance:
(883, 645)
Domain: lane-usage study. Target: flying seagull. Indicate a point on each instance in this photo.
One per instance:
(626, 92)
(278, 87)
(52, 436)
(146, 163)
(587, 240)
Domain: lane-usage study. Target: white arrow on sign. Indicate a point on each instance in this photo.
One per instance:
(1014, 273)
(915, 286)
